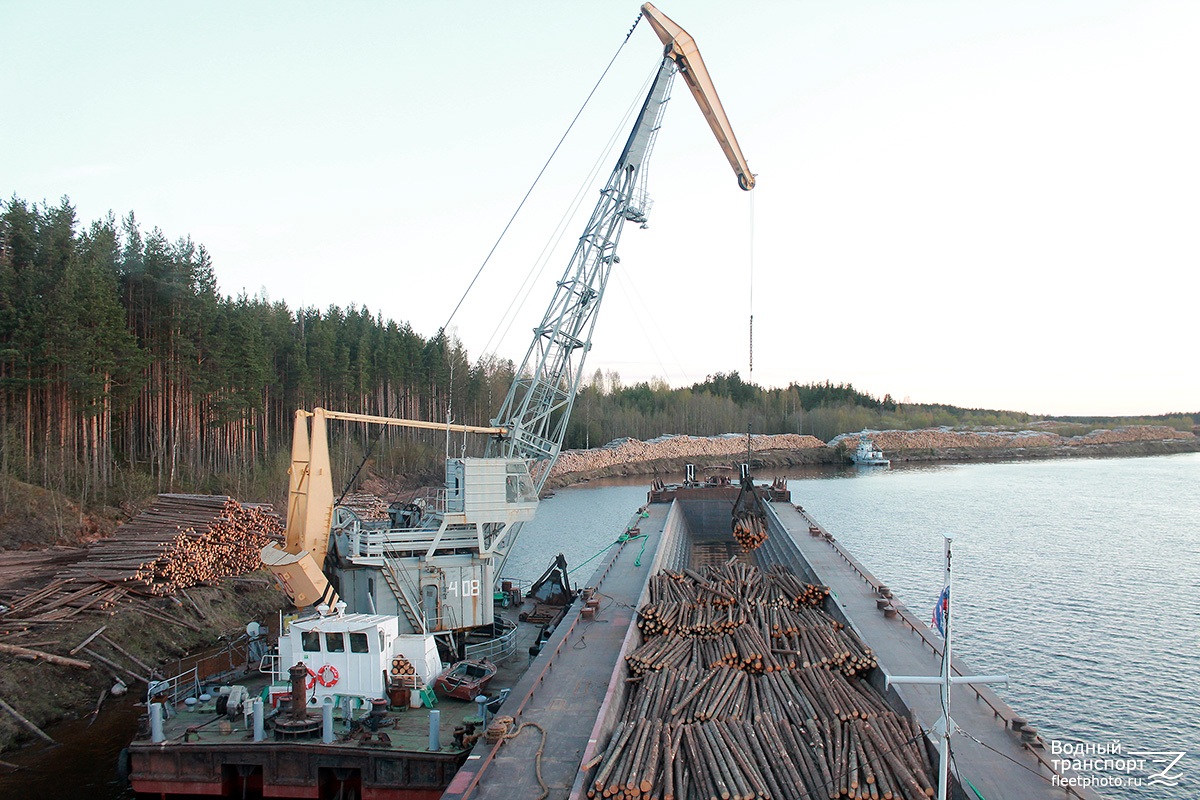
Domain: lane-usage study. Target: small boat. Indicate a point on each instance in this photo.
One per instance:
(465, 680)
(867, 454)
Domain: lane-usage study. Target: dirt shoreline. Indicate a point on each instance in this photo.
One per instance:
(832, 456)
(46, 693)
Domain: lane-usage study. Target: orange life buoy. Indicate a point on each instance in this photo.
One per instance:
(312, 679)
(327, 675)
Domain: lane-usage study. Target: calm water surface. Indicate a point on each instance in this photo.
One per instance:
(1077, 578)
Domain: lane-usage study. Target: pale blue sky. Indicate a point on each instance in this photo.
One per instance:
(984, 203)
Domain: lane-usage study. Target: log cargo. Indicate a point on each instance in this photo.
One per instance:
(744, 688)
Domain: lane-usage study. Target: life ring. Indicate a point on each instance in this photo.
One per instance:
(312, 679)
(327, 675)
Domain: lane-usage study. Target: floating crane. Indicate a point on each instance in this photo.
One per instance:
(436, 569)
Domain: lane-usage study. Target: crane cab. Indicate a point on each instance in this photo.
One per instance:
(489, 490)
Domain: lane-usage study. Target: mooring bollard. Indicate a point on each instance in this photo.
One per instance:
(259, 734)
(156, 723)
(327, 720)
(435, 730)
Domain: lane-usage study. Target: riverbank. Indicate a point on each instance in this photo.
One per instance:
(138, 640)
(181, 577)
(668, 455)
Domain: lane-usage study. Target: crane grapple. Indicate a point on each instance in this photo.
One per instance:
(749, 521)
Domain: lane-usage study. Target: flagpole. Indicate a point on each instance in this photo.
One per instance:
(944, 727)
(947, 662)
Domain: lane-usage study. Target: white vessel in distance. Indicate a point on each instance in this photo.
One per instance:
(867, 454)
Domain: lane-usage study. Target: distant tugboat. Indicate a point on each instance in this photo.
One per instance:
(867, 454)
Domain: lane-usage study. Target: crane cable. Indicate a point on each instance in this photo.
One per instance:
(504, 325)
(750, 374)
(539, 175)
(750, 377)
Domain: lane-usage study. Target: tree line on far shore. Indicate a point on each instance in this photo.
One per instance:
(124, 371)
(724, 403)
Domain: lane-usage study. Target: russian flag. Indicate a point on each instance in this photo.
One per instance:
(941, 610)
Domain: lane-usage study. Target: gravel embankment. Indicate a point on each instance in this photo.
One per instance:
(945, 438)
(668, 454)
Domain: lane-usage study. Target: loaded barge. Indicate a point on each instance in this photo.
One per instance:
(688, 529)
(559, 710)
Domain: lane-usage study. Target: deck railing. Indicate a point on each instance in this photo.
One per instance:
(176, 689)
(498, 648)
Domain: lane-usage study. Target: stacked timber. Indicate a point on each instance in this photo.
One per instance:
(749, 530)
(182, 541)
(947, 438)
(625, 451)
(368, 507)
(1131, 433)
(743, 688)
(402, 668)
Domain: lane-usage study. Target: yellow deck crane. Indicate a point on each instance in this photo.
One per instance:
(436, 571)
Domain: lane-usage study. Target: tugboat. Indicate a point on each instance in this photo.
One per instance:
(867, 454)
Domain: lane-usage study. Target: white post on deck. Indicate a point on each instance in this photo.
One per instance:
(945, 725)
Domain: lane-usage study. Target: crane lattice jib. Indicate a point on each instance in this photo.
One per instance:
(538, 405)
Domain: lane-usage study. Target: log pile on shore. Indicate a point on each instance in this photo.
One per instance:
(179, 542)
(744, 688)
(1133, 433)
(625, 451)
(948, 438)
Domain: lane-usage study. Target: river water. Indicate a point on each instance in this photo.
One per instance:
(1077, 578)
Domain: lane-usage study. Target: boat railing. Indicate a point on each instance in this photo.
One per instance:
(269, 665)
(377, 543)
(413, 682)
(175, 690)
(497, 648)
(521, 584)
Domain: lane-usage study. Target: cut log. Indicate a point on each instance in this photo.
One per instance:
(26, 652)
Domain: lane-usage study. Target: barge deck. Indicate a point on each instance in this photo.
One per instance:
(989, 752)
(561, 695)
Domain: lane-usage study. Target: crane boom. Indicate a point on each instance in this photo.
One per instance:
(434, 567)
(538, 404)
(681, 48)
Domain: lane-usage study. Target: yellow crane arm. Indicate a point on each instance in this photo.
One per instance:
(298, 564)
(398, 422)
(681, 48)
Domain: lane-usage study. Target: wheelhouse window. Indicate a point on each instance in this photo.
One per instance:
(358, 643)
(335, 642)
(310, 641)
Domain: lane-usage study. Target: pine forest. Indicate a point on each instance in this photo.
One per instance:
(125, 371)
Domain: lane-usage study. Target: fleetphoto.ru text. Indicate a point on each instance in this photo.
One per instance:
(1111, 764)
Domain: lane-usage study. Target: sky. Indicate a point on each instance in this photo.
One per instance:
(985, 204)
